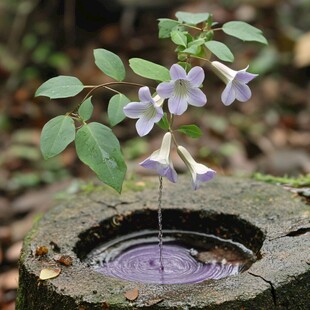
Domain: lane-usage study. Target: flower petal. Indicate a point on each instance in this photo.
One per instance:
(245, 77)
(165, 146)
(162, 168)
(158, 101)
(171, 174)
(242, 91)
(159, 114)
(177, 72)
(206, 176)
(135, 109)
(145, 94)
(160, 160)
(149, 164)
(165, 89)
(177, 105)
(228, 95)
(226, 71)
(196, 76)
(236, 81)
(199, 172)
(196, 97)
(144, 125)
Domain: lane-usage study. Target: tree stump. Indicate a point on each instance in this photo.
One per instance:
(265, 218)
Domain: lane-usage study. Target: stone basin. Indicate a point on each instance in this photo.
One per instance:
(265, 218)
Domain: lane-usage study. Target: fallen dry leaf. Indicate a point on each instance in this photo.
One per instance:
(153, 302)
(63, 259)
(132, 294)
(41, 250)
(49, 273)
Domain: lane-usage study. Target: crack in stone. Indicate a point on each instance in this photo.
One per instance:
(114, 205)
(298, 232)
(293, 233)
(273, 291)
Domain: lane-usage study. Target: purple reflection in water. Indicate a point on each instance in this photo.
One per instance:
(141, 263)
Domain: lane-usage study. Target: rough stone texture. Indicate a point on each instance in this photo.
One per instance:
(266, 218)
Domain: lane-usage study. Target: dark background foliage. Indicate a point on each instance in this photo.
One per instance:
(41, 39)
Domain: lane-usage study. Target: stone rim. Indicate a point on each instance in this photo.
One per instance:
(225, 226)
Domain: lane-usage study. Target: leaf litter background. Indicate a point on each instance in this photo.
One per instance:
(41, 39)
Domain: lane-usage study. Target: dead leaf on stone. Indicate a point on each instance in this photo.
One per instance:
(65, 260)
(154, 301)
(132, 294)
(41, 250)
(49, 273)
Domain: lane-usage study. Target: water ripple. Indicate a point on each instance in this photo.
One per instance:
(141, 263)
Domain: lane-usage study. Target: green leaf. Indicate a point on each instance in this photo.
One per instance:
(165, 26)
(208, 36)
(193, 50)
(149, 69)
(194, 47)
(179, 38)
(60, 87)
(56, 134)
(244, 31)
(86, 109)
(110, 64)
(192, 18)
(115, 108)
(220, 50)
(98, 148)
(192, 131)
(163, 123)
(199, 41)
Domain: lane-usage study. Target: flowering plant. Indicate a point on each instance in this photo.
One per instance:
(178, 87)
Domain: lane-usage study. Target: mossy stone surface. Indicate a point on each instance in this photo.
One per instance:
(266, 218)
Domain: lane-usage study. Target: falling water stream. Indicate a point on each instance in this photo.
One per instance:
(160, 225)
(169, 256)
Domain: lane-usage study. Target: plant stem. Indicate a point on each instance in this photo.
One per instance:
(193, 27)
(105, 85)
